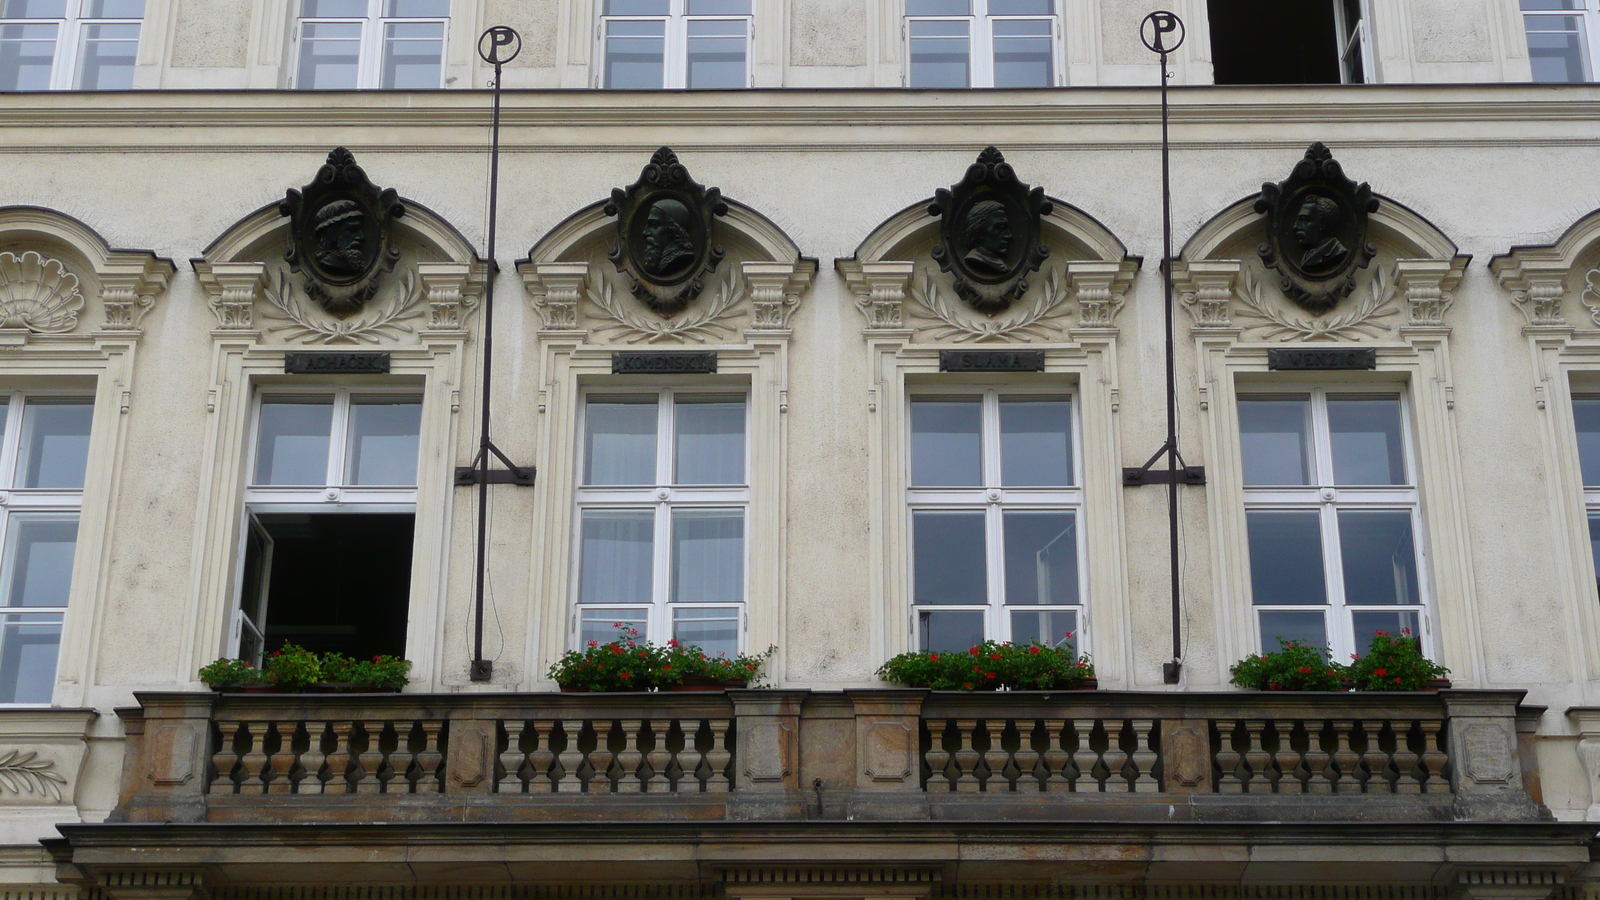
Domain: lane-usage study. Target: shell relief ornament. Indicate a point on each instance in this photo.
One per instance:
(989, 236)
(1317, 230)
(340, 239)
(666, 234)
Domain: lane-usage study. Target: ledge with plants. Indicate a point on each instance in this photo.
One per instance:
(629, 664)
(993, 666)
(1392, 663)
(294, 669)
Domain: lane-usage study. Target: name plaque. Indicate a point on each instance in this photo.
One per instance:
(991, 360)
(336, 363)
(1305, 359)
(704, 363)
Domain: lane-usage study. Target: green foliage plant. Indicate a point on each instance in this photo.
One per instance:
(991, 666)
(230, 673)
(1394, 663)
(1296, 666)
(629, 664)
(292, 667)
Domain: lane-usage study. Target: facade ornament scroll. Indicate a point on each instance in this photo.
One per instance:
(233, 289)
(775, 291)
(1101, 289)
(1205, 290)
(129, 291)
(1428, 286)
(452, 291)
(880, 290)
(38, 294)
(1537, 283)
(1590, 298)
(555, 289)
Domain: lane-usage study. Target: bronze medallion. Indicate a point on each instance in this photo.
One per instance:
(339, 234)
(989, 238)
(1317, 230)
(666, 233)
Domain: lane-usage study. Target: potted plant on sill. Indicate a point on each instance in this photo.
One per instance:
(628, 664)
(1295, 666)
(1395, 663)
(293, 669)
(994, 666)
(381, 674)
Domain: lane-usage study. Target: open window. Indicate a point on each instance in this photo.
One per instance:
(1273, 42)
(329, 519)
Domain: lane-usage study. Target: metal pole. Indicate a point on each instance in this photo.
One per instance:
(482, 669)
(1172, 383)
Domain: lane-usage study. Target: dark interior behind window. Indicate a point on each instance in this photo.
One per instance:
(1273, 42)
(339, 582)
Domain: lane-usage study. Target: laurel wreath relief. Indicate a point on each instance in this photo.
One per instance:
(925, 293)
(384, 322)
(700, 323)
(1362, 320)
(25, 773)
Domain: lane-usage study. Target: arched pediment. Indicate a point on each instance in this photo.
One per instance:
(1549, 282)
(54, 268)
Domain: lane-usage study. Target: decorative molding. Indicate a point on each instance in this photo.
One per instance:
(129, 291)
(879, 288)
(453, 290)
(705, 321)
(555, 289)
(1590, 298)
(1375, 305)
(1032, 322)
(1536, 279)
(25, 773)
(1205, 288)
(233, 289)
(1101, 289)
(283, 305)
(38, 294)
(1428, 286)
(775, 290)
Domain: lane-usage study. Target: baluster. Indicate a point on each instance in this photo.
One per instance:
(718, 757)
(994, 759)
(1317, 760)
(255, 758)
(1116, 758)
(658, 758)
(1286, 758)
(1144, 758)
(1056, 756)
(1084, 758)
(282, 760)
(430, 758)
(600, 759)
(1345, 758)
(312, 759)
(571, 757)
(370, 761)
(630, 757)
(1229, 780)
(225, 759)
(1027, 758)
(400, 759)
(1405, 760)
(689, 758)
(339, 759)
(1433, 759)
(1256, 757)
(1375, 759)
(967, 757)
(512, 758)
(541, 758)
(938, 757)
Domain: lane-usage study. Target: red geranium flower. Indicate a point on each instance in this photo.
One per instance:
(1380, 671)
(1034, 650)
(994, 656)
(1305, 670)
(973, 652)
(933, 657)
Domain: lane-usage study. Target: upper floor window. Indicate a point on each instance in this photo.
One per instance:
(994, 507)
(347, 44)
(1562, 36)
(1332, 516)
(44, 452)
(1305, 42)
(649, 44)
(1586, 415)
(980, 43)
(68, 44)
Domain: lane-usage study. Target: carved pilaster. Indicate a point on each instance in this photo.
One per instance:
(775, 290)
(453, 291)
(555, 289)
(234, 289)
(1204, 289)
(1427, 285)
(879, 289)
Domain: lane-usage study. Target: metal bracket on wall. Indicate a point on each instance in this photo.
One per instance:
(1135, 477)
(470, 475)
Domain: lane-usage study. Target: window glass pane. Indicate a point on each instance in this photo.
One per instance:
(1050, 627)
(55, 443)
(616, 556)
(606, 625)
(114, 9)
(939, 54)
(1550, 4)
(39, 559)
(1041, 558)
(329, 55)
(106, 61)
(949, 630)
(1023, 55)
(383, 441)
(252, 599)
(619, 442)
(334, 9)
(1021, 7)
(1367, 623)
(1379, 558)
(413, 54)
(417, 9)
(637, 7)
(28, 646)
(946, 450)
(292, 447)
(1365, 433)
(938, 7)
(635, 54)
(1586, 415)
(33, 9)
(1286, 558)
(1035, 443)
(1556, 49)
(715, 631)
(1594, 546)
(948, 558)
(707, 555)
(1280, 625)
(1274, 441)
(717, 53)
(710, 444)
(26, 52)
(719, 7)
(5, 412)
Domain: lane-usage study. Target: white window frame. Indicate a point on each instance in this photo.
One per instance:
(68, 51)
(16, 500)
(369, 65)
(675, 46)
(1328, 499)
(333, 496)
(1357, 41)
(663, 497)
(980, 37)
(1588, 16)
(995, 499)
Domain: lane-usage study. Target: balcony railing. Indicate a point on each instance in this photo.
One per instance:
(889, 754)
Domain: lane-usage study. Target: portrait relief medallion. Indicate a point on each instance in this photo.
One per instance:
(666, 234)
(1317, 230)
(339, 228)
(989, 236)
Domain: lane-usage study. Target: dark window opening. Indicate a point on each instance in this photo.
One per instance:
(1274, 42)
(333, 582)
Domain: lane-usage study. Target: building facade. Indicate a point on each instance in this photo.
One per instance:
(817, 396)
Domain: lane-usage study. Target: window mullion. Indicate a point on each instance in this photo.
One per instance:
(660, 629)
(1321, 439)
(338, 439)
(666, 438)
(982, 50)
(1333, 570)
(994, 556)
(11, 450)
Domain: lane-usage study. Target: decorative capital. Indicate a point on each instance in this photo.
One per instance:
(1101, 289)
(453, 291)
(555, 289)
(879, 288)
(129, 289)
(1427, 285)
(775, 290)
(234, 288)
(1205, 288)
